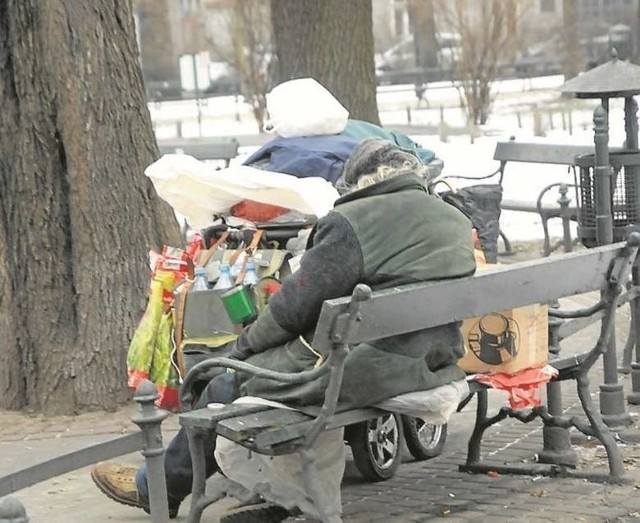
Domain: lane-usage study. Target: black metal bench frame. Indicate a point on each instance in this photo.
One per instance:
(367, 316)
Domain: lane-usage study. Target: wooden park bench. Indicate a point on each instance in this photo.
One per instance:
(213, 148)
(367, 316)
(538, 153)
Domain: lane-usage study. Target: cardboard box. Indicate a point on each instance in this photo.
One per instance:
(508, 341)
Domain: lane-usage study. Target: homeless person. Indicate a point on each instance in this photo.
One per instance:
(385, 230)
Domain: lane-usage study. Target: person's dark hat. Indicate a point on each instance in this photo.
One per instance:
(370, 154)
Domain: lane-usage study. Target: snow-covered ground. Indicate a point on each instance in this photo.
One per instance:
(512, 115)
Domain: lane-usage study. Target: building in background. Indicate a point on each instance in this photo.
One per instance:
(186, 46)
(541, 43)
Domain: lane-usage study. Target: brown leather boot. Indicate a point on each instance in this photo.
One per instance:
(118, 482)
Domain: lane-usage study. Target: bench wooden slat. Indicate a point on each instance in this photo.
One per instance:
(209, 418)
(271, 438)
(558, 154)
(220, 149)
(243, 428)
(420, 306)
(278, 426)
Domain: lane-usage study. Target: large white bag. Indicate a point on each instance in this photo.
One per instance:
(303, 107)
(197, 191)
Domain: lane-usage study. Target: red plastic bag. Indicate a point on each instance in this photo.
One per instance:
(256, 211)
(524, 387)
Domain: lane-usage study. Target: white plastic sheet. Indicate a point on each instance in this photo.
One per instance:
(197, 191)
(433, 406)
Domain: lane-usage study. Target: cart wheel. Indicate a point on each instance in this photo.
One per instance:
(376, 446)
(424, 440)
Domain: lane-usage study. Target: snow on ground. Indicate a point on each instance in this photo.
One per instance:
(512, 115)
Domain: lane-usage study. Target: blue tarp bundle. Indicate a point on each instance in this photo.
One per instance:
(325, 155)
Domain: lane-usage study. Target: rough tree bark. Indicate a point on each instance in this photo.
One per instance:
(77, 215)
(331, 41)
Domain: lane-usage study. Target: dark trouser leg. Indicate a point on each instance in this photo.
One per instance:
(177, 460)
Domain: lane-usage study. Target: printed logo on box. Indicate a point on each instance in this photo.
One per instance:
(494, 339)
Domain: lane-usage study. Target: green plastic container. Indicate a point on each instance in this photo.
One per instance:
(239, 305)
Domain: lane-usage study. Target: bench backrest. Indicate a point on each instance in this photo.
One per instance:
(418, 306)
(560, 154)
(214, 149)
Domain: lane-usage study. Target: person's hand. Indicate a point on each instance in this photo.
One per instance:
(475, 237)
(240, 349)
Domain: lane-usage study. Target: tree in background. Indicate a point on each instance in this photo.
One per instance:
(636, 37)
(331, 41)
(252, 43)
(423, 26)
(571, 55)
(157, 50)
(249, 48)
(77, 215)
(488, 32)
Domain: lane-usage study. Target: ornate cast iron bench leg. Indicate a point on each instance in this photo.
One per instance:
(196, 448)
(600, 430)
(475, 441)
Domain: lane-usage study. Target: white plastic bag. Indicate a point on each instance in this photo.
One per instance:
(197, 191)
(279, 479)
(303, 107)
(433, 406)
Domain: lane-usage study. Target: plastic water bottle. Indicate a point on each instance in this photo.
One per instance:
(224, 279)
(251, 276)
(200, 281)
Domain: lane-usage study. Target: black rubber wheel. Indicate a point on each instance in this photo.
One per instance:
(376, 446)
(424, 440)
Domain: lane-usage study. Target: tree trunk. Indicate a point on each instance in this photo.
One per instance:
(157, 50)
(423, 24)
(636, 36)
(77, 214)
(572, 63)
(331, 41)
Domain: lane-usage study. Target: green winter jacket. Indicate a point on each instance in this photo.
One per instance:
(388, 234)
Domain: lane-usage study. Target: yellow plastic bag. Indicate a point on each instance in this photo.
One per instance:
(163, 372)
(149, 354)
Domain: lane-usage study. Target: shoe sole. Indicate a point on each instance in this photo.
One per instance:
(259, 513)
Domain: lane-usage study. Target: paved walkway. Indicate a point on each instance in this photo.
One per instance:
(432, 490)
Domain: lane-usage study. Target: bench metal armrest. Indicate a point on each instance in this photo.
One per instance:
(539, 206)
(618, 275)
(334, 366)
(578, 313)
(186, 390)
